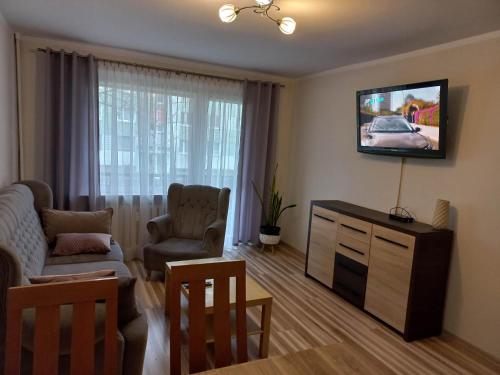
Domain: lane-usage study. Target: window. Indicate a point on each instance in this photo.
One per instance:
(156, 128)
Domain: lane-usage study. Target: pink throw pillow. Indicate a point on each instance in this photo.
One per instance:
(82, 243)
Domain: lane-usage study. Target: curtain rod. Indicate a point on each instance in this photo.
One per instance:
(175, 71)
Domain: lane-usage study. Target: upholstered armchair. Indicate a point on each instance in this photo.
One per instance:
(193, 228)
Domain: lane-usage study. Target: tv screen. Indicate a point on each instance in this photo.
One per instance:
(407, 120)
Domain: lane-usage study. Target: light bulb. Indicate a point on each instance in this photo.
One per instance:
(287, 25)
(228, 13)
(263, 3)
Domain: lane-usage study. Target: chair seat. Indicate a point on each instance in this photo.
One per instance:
(173, 249)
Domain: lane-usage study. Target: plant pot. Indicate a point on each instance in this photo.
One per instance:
(269, 235)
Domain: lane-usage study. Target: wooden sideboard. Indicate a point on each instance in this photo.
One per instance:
(397, 272)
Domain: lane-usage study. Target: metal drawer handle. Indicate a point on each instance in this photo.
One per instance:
(324, 218)
(392, 242)
(352, 228)
(352, 249)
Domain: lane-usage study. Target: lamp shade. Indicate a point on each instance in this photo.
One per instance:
(287, 25)
(263, 3)
(228, 13)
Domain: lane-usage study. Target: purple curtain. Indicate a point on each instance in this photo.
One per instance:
(67, 150)
(257, 156)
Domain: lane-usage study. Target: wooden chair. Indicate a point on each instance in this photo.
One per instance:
(195, 275)
(46, 299)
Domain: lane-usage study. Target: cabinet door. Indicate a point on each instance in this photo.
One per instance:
(321, 257)
(389, 274)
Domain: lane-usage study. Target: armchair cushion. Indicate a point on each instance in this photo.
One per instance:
(173, 249)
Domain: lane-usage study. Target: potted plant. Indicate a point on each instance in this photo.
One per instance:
(269, 230)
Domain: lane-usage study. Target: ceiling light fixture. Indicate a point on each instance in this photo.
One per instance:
(229, 12)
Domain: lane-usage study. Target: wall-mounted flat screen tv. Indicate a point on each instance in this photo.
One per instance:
(407, 120)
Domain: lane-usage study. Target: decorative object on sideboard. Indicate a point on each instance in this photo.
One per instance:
(269, 230)
(229, 12)
(401, 214)
(441, 214)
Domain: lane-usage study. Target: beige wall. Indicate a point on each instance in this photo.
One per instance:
(30, 44)
(8, 123)
(325, 165)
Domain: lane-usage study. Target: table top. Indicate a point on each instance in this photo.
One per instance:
(255, 294)
(338, 358)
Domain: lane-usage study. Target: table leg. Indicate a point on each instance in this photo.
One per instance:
(167, 293)
(265, 326)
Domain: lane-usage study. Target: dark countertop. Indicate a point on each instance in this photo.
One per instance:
(375, 217)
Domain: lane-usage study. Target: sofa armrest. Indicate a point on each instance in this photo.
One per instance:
(160, 228)
(213, 239)
(10, 275)
(135, 334)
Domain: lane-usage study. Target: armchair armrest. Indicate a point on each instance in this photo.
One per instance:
(160, 228)
(213, 239)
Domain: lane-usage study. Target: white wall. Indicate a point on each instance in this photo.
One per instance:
(325, 165)
(28, 72)
(8, 123)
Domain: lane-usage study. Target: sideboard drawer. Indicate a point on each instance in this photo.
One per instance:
(359, 229)
(353, 248)
(323, 213)
(350, 280)
(388, 237)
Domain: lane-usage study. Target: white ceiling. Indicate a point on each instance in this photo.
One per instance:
(330, 33)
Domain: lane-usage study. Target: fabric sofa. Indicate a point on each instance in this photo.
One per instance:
(193, 228)
(24, 253)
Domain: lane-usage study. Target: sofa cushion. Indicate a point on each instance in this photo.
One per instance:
(65, 323)
(127, 307)
(65, 269)
(115, 254)
(65, 340)
(20, 229)
(65, 360)
(55, 222)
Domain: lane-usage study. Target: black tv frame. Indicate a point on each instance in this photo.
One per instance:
(443, 122)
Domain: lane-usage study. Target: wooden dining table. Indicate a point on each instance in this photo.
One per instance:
(256, 295)
(338, 358)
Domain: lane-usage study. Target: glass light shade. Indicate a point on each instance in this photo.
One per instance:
(228, 13)
(287, 25)
(263, 3)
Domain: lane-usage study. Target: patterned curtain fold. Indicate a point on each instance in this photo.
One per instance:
(257, 156)
(67, 139)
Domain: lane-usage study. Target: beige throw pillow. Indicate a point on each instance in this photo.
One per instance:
(56, 222)
(82, 243)
(71, 277)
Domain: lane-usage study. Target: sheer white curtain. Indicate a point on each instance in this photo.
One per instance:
(156, 128)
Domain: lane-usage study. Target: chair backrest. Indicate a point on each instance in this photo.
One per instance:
(195, 207)
(47, 299)
(221, 270)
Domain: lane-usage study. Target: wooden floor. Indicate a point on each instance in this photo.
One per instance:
(306, 315)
